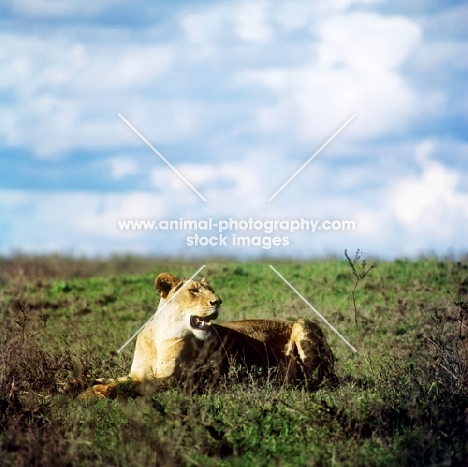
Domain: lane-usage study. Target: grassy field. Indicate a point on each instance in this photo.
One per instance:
(403, 399)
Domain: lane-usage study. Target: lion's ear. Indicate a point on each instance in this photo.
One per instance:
(165, 282)
(204, 281)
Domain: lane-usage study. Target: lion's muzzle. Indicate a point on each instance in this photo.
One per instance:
(201, 323)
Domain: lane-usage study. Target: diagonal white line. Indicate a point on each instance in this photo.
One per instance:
(162, 157)
(313, 309)
(158, 310)
(316, 154)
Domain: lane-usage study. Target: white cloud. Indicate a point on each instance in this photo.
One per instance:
(256, 87)
(431, 204)
(57, 8)
(424, 150)
(398, 214)
(251, 23)
(229, 187)
(75, 222)
(122, 166)
(166, 179)
(326, 6)
(367, 42)
(98, 214)
(296, 14)
(129, 67)
(291, 15)
(39, 64)
(202, 27)
(356, 70)
(65, 93)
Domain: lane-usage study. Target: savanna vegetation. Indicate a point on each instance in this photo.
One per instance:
(403, 398)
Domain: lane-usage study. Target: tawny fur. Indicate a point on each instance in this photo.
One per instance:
(172, 349)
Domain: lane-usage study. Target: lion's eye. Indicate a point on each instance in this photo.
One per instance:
(193, 291)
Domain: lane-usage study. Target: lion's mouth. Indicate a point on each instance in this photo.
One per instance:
(201, 323)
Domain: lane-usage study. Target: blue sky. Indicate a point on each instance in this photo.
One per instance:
(237, 96)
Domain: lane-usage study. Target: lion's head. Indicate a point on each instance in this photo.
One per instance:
(191, 304)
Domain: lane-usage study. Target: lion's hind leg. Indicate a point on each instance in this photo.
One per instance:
(312, 353)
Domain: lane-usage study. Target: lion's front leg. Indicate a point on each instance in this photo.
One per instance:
(112, 388)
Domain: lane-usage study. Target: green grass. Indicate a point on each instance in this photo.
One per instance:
(403, 398)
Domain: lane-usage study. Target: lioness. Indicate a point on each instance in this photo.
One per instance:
(182, 344)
